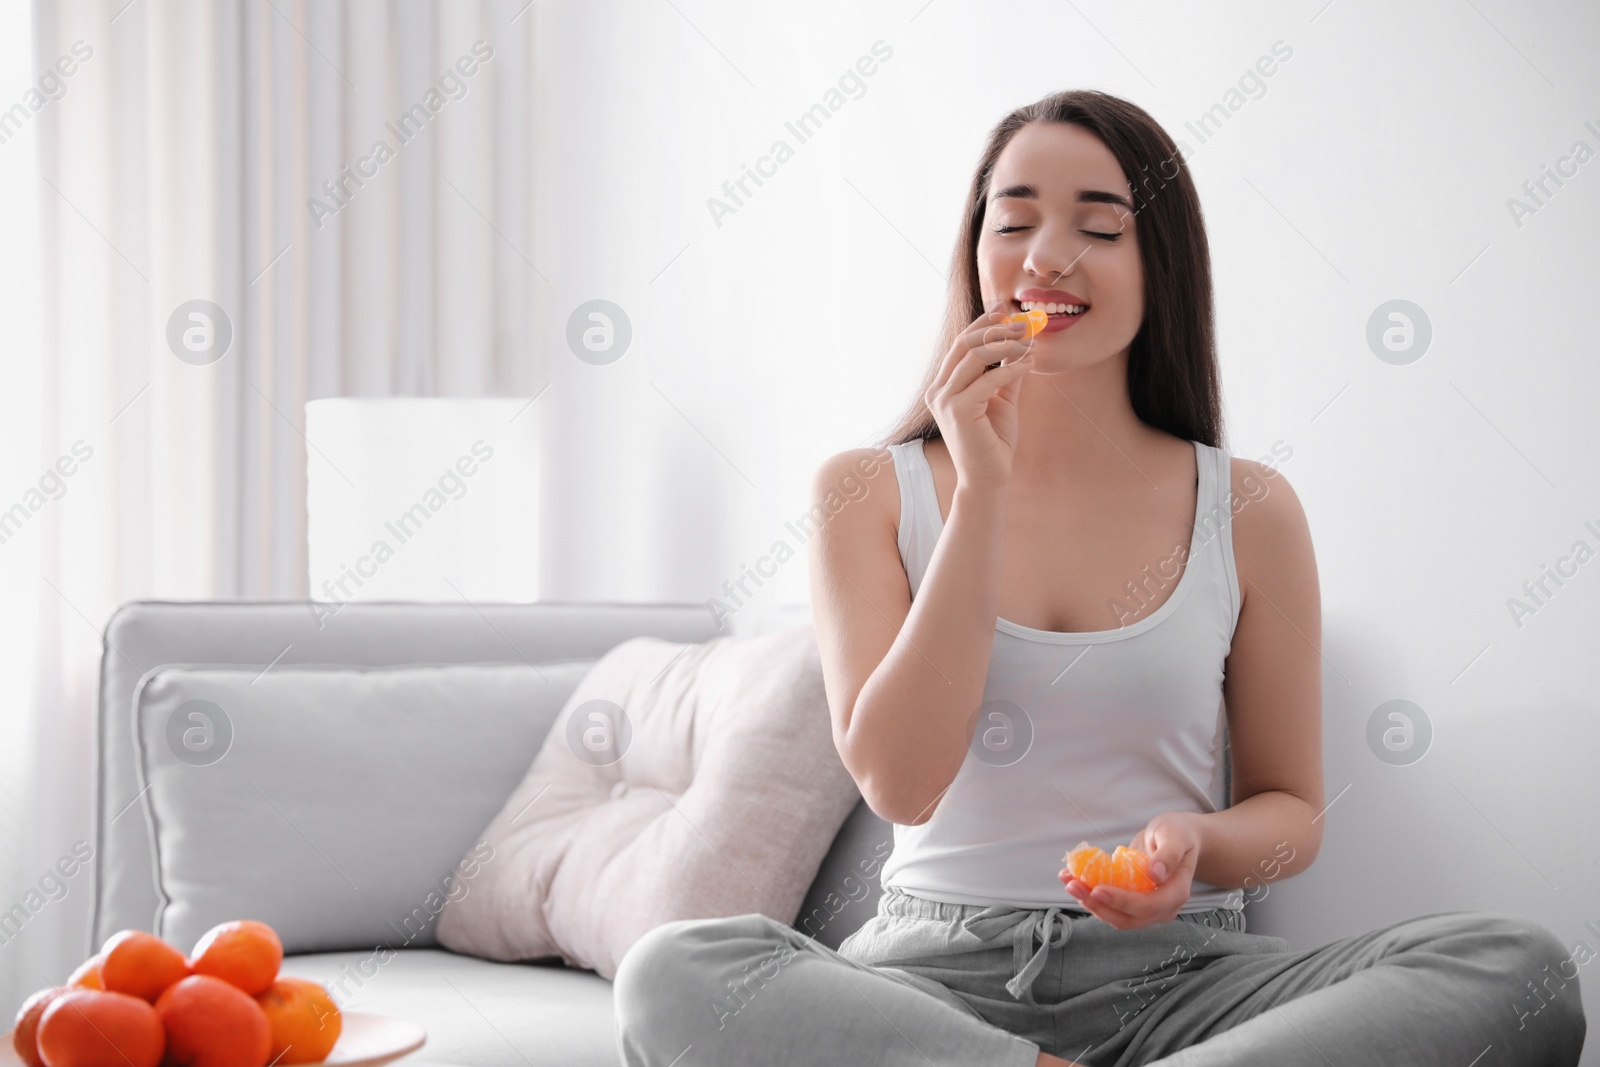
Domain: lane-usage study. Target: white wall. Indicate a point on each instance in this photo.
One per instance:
(1376, 165)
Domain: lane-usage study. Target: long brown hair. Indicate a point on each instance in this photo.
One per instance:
(1173, 382)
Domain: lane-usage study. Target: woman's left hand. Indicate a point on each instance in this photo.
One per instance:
(1172, 841)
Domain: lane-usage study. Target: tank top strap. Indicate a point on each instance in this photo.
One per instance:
(1218, 520)
(919, 509)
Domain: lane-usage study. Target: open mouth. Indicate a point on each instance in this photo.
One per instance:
(1068, 311)
(1060, 316)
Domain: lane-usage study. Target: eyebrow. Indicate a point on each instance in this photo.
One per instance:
(1085, 196)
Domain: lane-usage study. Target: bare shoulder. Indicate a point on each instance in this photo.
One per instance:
(1271, 536)
(857, 475)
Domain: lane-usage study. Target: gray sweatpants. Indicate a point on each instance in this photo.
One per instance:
(931, 984)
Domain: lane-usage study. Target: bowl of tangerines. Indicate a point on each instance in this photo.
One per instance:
(140, 1002)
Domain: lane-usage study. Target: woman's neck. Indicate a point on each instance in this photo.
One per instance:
(1078, 426)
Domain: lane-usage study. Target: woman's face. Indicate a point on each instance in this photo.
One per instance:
(1050, 238)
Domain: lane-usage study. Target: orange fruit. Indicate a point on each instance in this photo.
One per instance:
(93, 1028)
(212, 1023)
(1097, 869)
(1127, 868)
(1036, 320)
(244, 952)
(87, 976)
(24, 1035)
(140, 964)
(1078, 857)
(1130, 870)
(305, 1021)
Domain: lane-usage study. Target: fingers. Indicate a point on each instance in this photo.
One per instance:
(985, 383)
(1116, 917)
(974, 335)
(1004, 347)
(974, 383)
(1144, 842)
(1164, 859)
(969, 340)
(1123, 920)
(1117, 899)
(958, 348)
(1121, 908)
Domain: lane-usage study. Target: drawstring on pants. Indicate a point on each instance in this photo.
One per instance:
(1049, 925)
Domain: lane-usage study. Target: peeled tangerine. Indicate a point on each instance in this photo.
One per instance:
(1036, 320)
(1127, 868)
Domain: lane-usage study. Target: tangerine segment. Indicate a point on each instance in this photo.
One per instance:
(1097, 869)
(1130, 869)
(90, 1027)
(1079, 858)
(1036, 319)
(140, 964)
(211, 1023)
(245, 952)
(305, 1021)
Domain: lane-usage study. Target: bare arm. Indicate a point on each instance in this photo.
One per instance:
(904, 679)
(1273, 688)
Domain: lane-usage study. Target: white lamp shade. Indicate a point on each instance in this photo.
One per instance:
(412, 498)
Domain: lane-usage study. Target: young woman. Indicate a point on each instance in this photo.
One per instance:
(1063, 612)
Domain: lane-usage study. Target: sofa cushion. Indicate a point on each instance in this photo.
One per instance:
(681, 781)
(335, 803)
(478, 1012)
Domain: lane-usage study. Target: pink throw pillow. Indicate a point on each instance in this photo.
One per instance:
(679, 781)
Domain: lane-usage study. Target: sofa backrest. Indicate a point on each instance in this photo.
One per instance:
(145, 636)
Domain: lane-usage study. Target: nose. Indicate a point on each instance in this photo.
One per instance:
(1053, 260)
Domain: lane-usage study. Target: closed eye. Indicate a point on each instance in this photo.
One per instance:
(1091, 233)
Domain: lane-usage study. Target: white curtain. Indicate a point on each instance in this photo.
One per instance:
(351, 185)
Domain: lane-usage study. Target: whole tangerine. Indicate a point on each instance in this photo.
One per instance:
(140, 964)
(305, 1020)
(92, 1028)
(244, 952)
(212, 1023)
(24, 1036)
(87, 976)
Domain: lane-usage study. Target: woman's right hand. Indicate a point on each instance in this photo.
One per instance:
(976, 408)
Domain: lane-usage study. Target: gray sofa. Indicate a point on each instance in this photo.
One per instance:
(536, 1014)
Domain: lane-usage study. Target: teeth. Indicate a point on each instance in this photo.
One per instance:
(1053, 309)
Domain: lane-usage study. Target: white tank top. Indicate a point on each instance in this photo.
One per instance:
(1082, 736)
